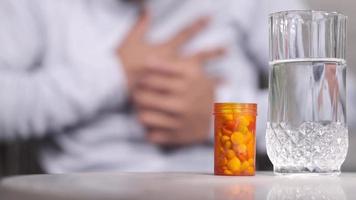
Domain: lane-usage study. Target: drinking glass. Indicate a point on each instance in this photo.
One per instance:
(307, 128)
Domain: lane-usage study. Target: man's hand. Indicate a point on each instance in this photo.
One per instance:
(135, 52)
(174, 100)
(173, 95)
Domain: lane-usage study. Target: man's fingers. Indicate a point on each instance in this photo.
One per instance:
(159, 83)
(207, 55)
(158, 119)
(146, 99)
(163, 68)
(187, 33)
(162, 77)
(140, 28)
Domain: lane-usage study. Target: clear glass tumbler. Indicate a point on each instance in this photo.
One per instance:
(307, 129)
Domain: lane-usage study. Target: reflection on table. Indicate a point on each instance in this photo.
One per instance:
(178, 186)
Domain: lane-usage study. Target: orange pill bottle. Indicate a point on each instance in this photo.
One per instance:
(235, 139)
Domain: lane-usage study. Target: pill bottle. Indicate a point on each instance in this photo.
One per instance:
(235, 139)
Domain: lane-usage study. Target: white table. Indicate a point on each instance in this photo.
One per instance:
(177, 186)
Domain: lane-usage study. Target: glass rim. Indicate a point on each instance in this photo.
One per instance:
(327, 13)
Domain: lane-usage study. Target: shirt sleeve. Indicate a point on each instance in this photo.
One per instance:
(38, 97)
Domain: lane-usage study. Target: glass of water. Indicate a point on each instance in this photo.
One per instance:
(307, 130)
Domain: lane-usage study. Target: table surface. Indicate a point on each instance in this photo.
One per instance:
(177, 186)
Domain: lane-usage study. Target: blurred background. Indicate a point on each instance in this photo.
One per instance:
(21, 157)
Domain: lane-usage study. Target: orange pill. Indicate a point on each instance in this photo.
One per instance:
(250, 149)
(234, 165)
(244, 165)
(237, 138)
(243, 129)
(241, 149)
(248, 137)
(250, 171)
(227, 172)
(251, 162)
(228, 145)
(224, 139)
(230, 154)
(226, 131)
(228, 116)
(230, 125)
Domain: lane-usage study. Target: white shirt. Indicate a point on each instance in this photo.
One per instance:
(61, 79)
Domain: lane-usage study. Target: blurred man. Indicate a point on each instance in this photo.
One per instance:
(126, 85)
